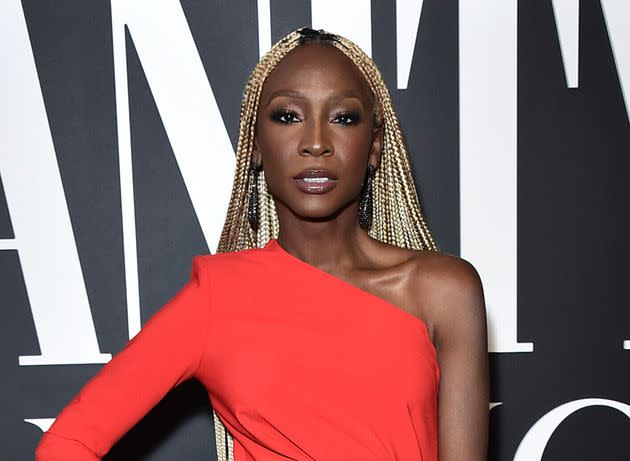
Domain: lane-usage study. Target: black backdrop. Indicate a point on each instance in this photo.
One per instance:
(573, 149)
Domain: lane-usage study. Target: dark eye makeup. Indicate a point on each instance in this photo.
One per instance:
(288, 117)
(285, 116)
(346, 118)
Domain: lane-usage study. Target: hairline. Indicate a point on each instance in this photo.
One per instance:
(373, 100)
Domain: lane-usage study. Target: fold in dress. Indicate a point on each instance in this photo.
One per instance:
(298, 365)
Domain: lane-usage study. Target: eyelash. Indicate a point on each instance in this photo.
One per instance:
(354, 117)
(278, 114)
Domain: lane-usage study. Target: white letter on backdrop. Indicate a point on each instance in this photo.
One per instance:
(190, 115)
(487, 72)
(567, 16)
(407, 23)
(44, 239)
(350, 19)
(617, 15)
(533, 444)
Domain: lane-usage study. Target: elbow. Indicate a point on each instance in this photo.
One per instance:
(43, 452)
(45, 448)
(53, 447)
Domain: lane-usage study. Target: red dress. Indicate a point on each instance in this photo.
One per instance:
(298, 364)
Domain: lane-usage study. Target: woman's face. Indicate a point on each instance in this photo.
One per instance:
(314, 133)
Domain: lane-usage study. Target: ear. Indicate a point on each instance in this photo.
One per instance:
(377, 145)
(256, 155)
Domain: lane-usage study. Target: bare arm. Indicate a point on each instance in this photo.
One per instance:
(460, 326)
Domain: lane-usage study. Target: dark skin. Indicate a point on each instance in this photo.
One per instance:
(316, 112)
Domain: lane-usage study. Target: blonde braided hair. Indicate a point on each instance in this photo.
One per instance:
(398, 219)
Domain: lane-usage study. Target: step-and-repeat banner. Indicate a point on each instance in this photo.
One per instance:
(118, 124)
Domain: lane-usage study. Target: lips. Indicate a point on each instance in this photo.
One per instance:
(315, 174)
(314, 181)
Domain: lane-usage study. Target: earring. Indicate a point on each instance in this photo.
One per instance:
(252, 205)
(365, 200)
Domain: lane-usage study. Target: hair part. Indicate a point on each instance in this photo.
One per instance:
(398, 218)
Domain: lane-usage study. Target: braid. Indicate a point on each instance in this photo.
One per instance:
(398, 219)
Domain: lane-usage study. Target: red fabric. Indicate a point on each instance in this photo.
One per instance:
(298, 365)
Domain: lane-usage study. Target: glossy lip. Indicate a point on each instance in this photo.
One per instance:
(310, 187)
(315, 173)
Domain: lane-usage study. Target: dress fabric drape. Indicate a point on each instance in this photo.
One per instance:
(298, 365)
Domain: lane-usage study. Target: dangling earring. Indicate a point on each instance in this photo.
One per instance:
(252, 205)
(365, 200)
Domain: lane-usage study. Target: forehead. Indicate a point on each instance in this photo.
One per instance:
(317, 67)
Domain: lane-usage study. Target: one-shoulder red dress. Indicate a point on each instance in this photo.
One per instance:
(298, 364)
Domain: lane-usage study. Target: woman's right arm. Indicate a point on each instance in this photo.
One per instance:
(166, 352)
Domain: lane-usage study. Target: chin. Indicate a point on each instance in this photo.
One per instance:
(315, 207)
(315, 213)
(318, 210)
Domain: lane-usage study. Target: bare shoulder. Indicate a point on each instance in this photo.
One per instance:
(445, 272)
(451, 291)
(443, 290)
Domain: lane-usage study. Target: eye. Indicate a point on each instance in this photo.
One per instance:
(285, 116)
(346, 118)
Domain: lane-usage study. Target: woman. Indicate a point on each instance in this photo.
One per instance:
(326, 328)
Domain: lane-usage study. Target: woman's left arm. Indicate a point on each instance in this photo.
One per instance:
(461, 336)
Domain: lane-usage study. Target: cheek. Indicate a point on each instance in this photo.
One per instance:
(276, 150)
(353, 148)
(358, 146)
(276, 141)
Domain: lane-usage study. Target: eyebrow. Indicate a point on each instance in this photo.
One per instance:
(345, 94)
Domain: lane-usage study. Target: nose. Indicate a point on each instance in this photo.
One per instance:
(315, 139)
